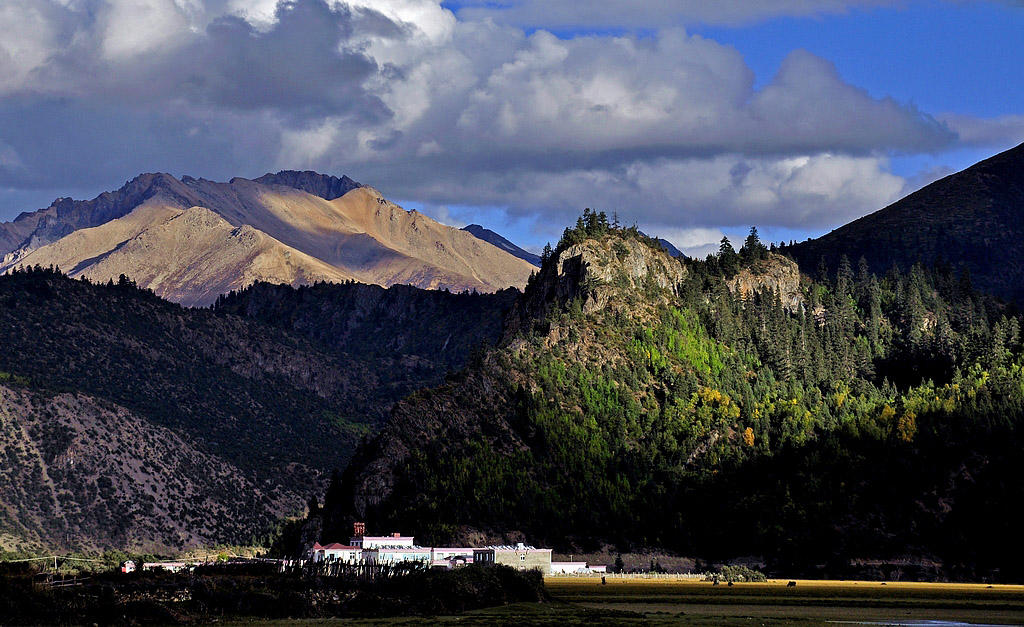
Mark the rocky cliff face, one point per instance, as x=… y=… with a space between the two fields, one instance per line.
x=596 y=271
x=775 y=273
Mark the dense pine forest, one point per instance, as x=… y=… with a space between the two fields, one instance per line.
x=877 y=420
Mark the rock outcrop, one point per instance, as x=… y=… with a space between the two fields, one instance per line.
x=595 y=272
x=776 y=273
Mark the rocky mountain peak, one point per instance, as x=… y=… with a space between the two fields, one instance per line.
x=323 y=185
x=613 y=273
x=33 y=230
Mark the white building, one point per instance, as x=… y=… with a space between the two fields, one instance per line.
x=372 y=542
x=520 y=556
x=450 y=557
x=396 y=554
x=336 y=552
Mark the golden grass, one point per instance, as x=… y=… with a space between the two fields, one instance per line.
x=557 y=582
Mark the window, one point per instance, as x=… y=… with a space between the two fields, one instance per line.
x=522 y=558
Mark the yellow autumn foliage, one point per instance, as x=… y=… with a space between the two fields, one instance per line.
x=907 y=426
x=748 y=436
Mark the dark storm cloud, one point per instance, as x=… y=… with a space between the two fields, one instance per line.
x=301 y=66
x=212 y=102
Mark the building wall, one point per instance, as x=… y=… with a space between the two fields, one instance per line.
x=529 y=559
x=568 y=567
x=444 y=553
x=384 y=556
x=342 y=555
x=373 y=542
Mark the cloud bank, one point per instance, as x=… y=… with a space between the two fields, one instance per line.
x=466 y=108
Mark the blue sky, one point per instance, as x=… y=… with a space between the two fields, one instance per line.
x=943 y=57
x=691 y=118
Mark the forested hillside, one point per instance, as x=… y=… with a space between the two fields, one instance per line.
x=430 y=331
x=638 y=400
x=111 y=397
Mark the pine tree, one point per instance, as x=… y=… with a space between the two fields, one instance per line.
x=728 y=259
x=545 y=254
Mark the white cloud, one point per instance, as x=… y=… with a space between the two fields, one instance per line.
x=652 y=13
x=693 y=96
x=667 y=129
x=1005 y=130
x=135 y=27
x=690 y=198
x=28 y=33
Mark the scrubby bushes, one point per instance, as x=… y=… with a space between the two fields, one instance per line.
x=257 y=591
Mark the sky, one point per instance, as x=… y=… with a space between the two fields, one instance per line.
x=689 y=118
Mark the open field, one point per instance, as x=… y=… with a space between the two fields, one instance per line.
x=663 y=601
x=668 y=602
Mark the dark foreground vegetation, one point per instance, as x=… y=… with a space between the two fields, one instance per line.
x=255 y=591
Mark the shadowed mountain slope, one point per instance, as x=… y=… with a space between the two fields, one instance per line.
x=322 y=185
x=132 y=422
x=973 y=219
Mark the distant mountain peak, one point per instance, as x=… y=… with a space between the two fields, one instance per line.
x=495 y=239
x=323 y=185
x=667 y=245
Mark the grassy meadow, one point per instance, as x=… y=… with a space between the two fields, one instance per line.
x=655 y=602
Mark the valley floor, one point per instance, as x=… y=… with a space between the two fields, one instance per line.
x=669 y=602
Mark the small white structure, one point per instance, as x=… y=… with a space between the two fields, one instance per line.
x=577 y=568
x=128 y=566
x=520 y=556
x=335 y=552
x=565 y=568
x=171 y=566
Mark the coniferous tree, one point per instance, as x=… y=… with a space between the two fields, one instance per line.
x=728 y=259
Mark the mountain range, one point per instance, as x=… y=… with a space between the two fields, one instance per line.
x=191 y=240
